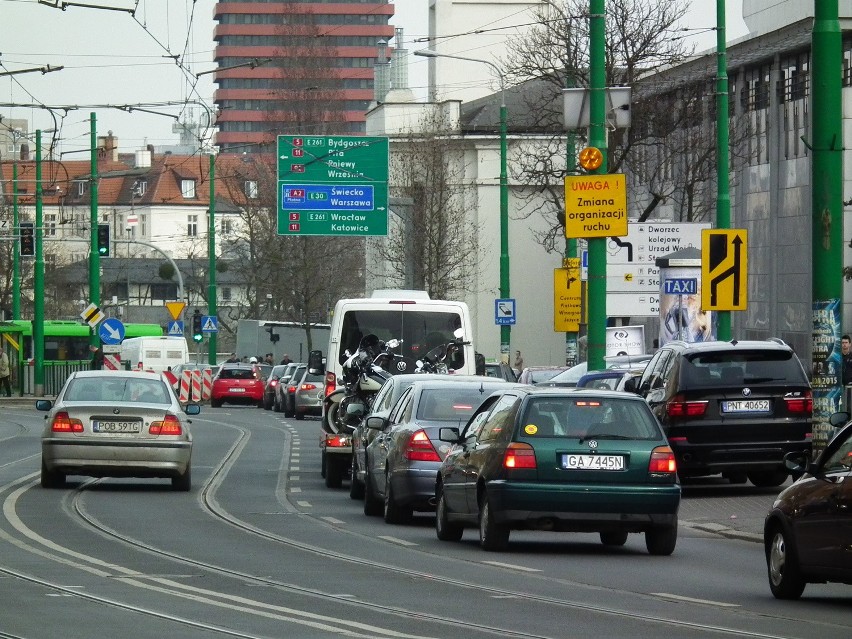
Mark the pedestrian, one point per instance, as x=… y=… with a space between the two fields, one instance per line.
x=519 y=361
x=98 y=357
x=286 y=359
x=846 y=359
x=233 y=359
x=5 y=373
x=268 y=359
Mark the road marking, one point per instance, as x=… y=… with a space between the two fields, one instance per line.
x=395 y=540
x=295 y=490
x=332 y=520
x=721 y=604
x=292 y=468
x=294 y=477
x=304 y=504
x=500 y=564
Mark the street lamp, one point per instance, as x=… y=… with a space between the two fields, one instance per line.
x=505 y=329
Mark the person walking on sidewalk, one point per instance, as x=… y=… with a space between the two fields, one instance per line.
x=5 y=373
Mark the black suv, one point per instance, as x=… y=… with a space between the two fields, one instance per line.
x=734 y=408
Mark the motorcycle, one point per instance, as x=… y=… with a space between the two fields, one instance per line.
x=435 y=361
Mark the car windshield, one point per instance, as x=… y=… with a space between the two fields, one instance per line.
x=117 y=389
x=725 y=368
x=585 y=418
x=449 y=404
x=236 y=373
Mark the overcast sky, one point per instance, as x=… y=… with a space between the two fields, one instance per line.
x=114 y=58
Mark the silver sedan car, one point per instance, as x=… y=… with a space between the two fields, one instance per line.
x=116 y=424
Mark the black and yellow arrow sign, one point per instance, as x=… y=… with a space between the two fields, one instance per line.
x=724 y=269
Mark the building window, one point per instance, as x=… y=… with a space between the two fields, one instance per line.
x=251 y=189
x=192 y=225
x=163 y=291
x=187 y=189
x=227 y=227
x=139 y=188
x=81 y=188
x=226 y=294
x=50 y=224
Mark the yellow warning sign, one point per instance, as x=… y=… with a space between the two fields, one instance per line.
x=567 y=297
x=724 y=269
x=595 y=205
x=175 y=309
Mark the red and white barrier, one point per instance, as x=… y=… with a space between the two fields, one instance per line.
x=112 y=362
x=195 y=385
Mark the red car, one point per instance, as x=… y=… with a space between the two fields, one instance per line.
x=237 y=384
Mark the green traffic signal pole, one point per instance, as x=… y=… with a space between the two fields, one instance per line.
x=723 y=196
x=211 y=256
x=597 y=138
x=16 y=258
x=827 y=214
x=38 y=281
x=94 y=255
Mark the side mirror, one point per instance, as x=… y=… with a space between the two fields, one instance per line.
x=449 y=434
x=375 y=422
x=43 y=404
x=798 y=463
x=630 y=385
x=192 y=409
x=316 y=363
x=839 y=419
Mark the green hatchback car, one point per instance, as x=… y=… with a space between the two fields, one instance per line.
x=559 y=459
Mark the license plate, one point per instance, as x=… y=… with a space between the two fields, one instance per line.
x=237 y=390
x=117 y=427
x=746 y=406
x=593 y=462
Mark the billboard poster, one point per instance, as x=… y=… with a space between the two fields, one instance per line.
x=826 y=368
x=681 y=315
x=625 y=340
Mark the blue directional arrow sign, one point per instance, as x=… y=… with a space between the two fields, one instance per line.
x=175 y=328
x=209 y=324
x=111 y=331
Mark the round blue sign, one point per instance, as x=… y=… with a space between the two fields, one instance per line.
x=111 y=331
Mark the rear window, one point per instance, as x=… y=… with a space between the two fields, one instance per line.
x=445 y=405
x=741 y=367
x=237 y=373
x=587 y=418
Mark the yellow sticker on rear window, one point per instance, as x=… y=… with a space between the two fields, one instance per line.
x=530 y=429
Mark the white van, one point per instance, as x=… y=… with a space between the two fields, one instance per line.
x=154 y=353
x=420 y=322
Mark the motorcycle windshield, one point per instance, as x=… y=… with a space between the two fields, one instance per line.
x=420 y=332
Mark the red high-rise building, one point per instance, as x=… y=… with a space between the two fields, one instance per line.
x=294 y=67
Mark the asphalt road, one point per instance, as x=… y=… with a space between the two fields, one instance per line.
x=260 y=548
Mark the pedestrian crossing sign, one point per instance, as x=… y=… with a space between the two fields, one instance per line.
x=175 y=328
x=209 y=324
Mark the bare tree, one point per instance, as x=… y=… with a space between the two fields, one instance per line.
x=440 y=241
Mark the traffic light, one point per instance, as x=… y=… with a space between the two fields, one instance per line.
x=27 y=238
x=197 y=335
x=103 y=240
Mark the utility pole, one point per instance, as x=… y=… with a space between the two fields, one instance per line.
x=723 y=196
x=597 y=139
x=827 y=216
x=211 y=257
x=16 y=258
x=38 y=280
x=94 y=255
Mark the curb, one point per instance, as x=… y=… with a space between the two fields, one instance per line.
x=724 y=531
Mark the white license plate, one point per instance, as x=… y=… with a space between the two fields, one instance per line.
x=237 y=390
x=117 y=427
x=746 y=406
x=593 y=462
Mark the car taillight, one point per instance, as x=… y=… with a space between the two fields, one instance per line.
x=273 y=383
x=291 y=389
x=800 y=403
x=169 y=426
x=679 y=407
x=662 y=460
x=308 y=387
x=337 y=441
x=519 y=455
x=62 y=423
x=330 y=383
x=420 y=448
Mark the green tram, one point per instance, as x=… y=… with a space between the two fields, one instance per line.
x=66 y=349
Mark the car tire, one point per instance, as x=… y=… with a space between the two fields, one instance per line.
x=373 y=506
x=661 y=541
x=356 y=488
x=287 y=411
x=736 y=478
x=276 y=405
x=444 y=528
x=267 y=405
x=493 y=536
x=299 y=416
x=183 y=483
x=767 y=478
x=613 y=538
x=51 y=478
x=782 y=566
x=333 y=473
x=215 y=403
x=394 y=513
x=323 y=464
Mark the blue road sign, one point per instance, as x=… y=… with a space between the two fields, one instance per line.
x=111 y=331
x=175 y=328
x=343 y=198
x=680 y=286
x=209 y=324
x=504 y=312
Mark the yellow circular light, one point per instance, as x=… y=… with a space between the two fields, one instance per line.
x=591 y=158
